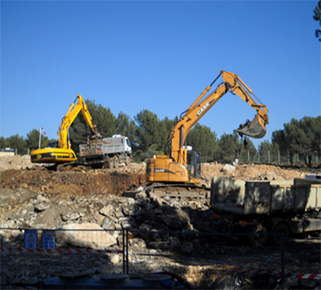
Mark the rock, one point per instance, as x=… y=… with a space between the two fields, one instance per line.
x=228 y=168
x=3 y=280
x=156 y=201
x=114 y=259
x=41 y=198
x=95 y=238
x=41 y=207
x=107 y=210
x=144 y=227
x=130 y=200
x=175 y=219
x=174 y=242
x=70 y=216
x=99 y=218
x=108 y=224
x=187 y=247
x=142 y=202
x=131 y=209
x=49 y=219
x=158 y=245
x=157 y=211
x=141 y=195
x=137 y=242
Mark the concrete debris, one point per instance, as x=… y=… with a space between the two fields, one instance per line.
x=105 y=200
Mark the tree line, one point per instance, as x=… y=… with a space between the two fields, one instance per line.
x=148 y=135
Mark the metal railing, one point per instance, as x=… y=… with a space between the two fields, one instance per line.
x=12 y=239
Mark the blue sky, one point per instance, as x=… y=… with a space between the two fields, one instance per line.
x=156 y=55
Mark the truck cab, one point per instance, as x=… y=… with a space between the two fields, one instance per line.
x=119 y=141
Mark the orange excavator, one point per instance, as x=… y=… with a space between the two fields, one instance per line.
x=181 y=165
x=63 y=153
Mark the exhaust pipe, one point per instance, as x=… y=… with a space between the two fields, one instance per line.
x=255 y=128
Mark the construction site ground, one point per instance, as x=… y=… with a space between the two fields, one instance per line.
x=202 y=266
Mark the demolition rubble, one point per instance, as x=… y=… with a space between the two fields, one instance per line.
x=162 y=232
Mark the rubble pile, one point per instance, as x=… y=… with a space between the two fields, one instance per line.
x=109 y=201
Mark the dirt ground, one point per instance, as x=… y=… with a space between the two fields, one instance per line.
x=17 y=172
x=116 y=181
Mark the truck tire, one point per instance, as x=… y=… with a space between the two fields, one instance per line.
x=279 y=229
x=258 y=237
x=116 y=161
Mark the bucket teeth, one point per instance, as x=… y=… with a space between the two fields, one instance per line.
x=254 y=128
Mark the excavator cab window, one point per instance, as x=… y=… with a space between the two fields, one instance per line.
x=194 y=163
x=53 y=144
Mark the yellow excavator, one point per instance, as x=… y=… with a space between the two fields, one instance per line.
x=62 y=152
x=183 y=166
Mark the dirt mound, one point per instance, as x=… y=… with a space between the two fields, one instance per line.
x=15 y=162
x=251 y=172
x=19 y=172
x=69 y=184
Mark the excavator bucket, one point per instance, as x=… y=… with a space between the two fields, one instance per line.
x=254 y=128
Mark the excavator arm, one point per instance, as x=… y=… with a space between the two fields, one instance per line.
x=232 y=83
x=68 y=119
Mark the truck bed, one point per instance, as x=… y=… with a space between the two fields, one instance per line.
x=265 y=197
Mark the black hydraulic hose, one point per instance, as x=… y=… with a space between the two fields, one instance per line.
x=182 y=114
x=215 y=80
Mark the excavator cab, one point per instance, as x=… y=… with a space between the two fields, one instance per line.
x=254 y=129
x=193 y=163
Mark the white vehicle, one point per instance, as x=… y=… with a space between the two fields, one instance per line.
x=108 y=152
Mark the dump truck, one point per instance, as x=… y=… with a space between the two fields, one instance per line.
x=260 y=207
x=107 y=153
x=98 y=152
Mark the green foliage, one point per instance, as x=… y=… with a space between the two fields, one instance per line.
x=279 y=139
x=149 y=153
x=264 y=147
x=317 y=17
x=300 y=137
x=127 y=127
x=19 y=143
x=3 y=142
x=32 y=140
x=167 y=126
x=202 y=139
x=149 y=131
x=267 y=148
x=229 y=148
